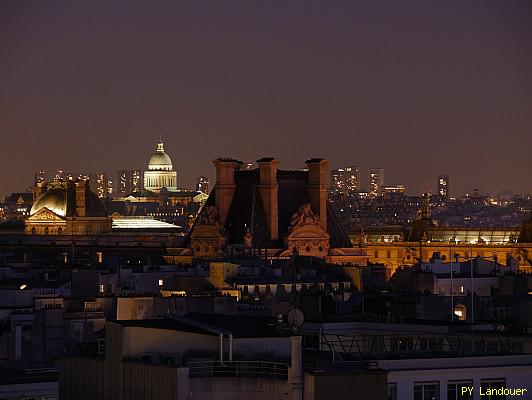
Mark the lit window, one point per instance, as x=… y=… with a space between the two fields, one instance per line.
x=461 y=289
x=102 y=288
x=161 y=282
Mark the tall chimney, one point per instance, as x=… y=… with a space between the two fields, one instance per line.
x=268 y=188
x=225 y=185
x=318 y=187
x=80 y=198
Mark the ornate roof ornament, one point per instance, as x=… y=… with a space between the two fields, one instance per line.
x=304 y=216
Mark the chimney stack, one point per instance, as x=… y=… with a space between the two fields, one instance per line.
x=318 y=187
x=80 y=197
x=225 y=185
x=268 y=188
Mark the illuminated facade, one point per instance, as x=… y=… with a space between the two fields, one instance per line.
x=376 y=180
x=397 y=246
x=67 y=208
x=160 y=172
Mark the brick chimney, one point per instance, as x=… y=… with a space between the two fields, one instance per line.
x=268 y=188
x=81 y=204
x=318 y=187
x=225 y=185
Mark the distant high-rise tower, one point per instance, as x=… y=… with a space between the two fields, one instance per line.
x=40 y=176
x=109 y=187
x=443 y=187
x=75 y=176
x=100 y=184
x=376 y=180
x=202 y=184
x=352 y=179
x=137 y=179
x=58 y=175
x=345 y=180
x=123 y=183
x=337 y=181
x=129 y=181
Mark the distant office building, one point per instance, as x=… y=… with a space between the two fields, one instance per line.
x=376 y=180
x=58 y=175
x=75 y=176
x=123 y=182
x=345 y=180
x=202 y=184
x=337 y=183
x=129 y=181
x=398 y=188
x=443 y=187
x=110 y=187
x=137 y=179
x=100 y=184
x=40 y=176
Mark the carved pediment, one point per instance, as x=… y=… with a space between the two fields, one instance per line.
x=46 y=215
x=206 y=232
x=306 y=235
x=308 y=232
x=303 y=217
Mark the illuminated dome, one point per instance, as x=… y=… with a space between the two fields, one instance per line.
x=54 y=200
x=66 y=208
x=160 y=172
x=160 y=161
x=62 y=201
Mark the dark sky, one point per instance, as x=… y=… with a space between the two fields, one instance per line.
x=417 y=87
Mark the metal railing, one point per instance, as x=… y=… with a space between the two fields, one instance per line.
x=263 y=369
x=364 y=347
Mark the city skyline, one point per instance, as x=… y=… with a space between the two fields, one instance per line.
x=249 y=80
x=362 y=186
x=302 y=200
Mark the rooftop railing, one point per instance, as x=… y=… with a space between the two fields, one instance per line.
x=263 y=369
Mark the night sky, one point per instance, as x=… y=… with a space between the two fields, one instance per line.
x=419 y=88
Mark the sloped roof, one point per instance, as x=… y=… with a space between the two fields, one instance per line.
x=247 y=210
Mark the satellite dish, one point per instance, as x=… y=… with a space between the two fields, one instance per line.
x=295 y=318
